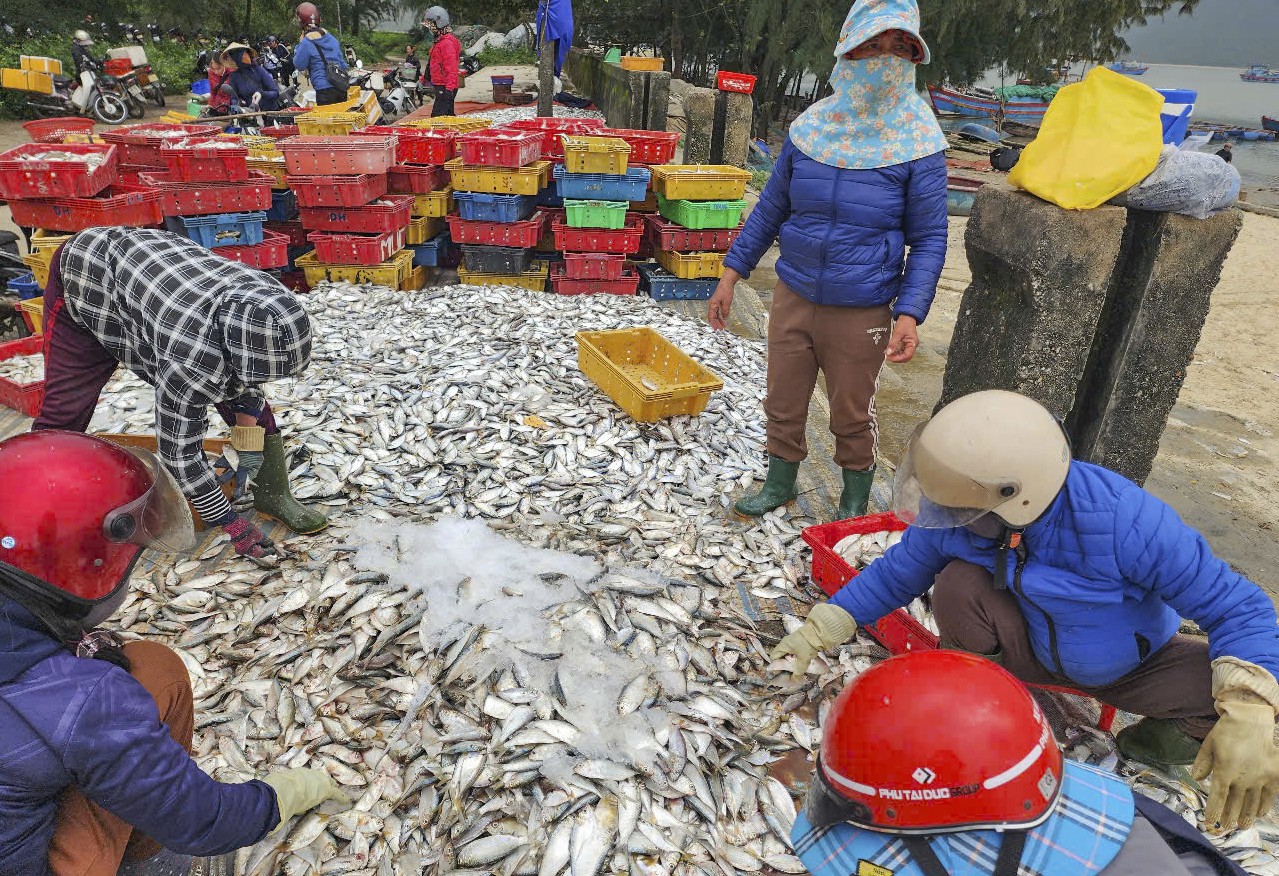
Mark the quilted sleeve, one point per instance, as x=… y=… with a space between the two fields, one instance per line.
x=765 y=221
x=1156 y=550
x=900 y=576
x=925 y=235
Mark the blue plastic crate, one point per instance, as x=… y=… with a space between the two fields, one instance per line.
x=25 y=287
x=221 y=229
x=433 y=253
x=662 y=286
x=631 y=186
x=284 y=206
x=481 y=207
x=549 y=197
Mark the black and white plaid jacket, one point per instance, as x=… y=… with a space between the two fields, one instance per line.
x=199 y=328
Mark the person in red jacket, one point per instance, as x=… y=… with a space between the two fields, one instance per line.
x=445 y=60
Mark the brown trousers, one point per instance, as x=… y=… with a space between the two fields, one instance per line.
x=1174 y=682
x=847 y=345
x=88 y=840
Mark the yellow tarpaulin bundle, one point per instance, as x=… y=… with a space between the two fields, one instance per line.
x=1100 y=137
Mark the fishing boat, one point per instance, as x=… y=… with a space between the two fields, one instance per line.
x=1260 y=73
x=1269 y=124
x=1129 y=68
x=983 y=104
x=1235 y=132
x=961 y=191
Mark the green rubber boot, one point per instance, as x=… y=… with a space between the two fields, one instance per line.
x=1158 y=742
x=856 y=495
x=272 y=496
x=778 y=489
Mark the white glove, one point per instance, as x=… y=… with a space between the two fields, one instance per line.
x=257 y=98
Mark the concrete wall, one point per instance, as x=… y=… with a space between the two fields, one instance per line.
x=628 y=98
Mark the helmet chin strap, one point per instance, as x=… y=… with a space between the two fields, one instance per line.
x=1011 y=845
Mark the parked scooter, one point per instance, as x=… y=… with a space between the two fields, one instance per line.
x=392 y=96
x=87 y=98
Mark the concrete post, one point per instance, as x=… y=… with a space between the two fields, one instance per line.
x=657 y=100
x=734 y=117
x=699 y=114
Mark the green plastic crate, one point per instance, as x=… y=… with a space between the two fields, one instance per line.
x=699 y=215
x=596 y=214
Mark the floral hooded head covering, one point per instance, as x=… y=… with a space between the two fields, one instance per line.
x=875 y=118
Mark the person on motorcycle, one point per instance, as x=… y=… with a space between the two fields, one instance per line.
x=81 y=58
x=254 y=87
x=98 y=767
x=444 y=62
x=315 y=50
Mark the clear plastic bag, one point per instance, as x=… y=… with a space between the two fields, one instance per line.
x=1194 y=184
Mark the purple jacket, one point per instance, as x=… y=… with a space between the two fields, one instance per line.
x=66 y=720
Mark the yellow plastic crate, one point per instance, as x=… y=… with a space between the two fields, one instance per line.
x=422 y=229
x=641 y=64
x=273 y=166
x=50 y=240
x=319 y=124
x=596 y=154
x=434 y=205
x=418 y=280
x=40 y=261
x=41 y=64
x=692 y=265
x=527 y=180
x=533 y=279
x=262 y=147
x=396 y=272
x=699 y=182
x=461 y=124
x=648 y=376
x=33 y=311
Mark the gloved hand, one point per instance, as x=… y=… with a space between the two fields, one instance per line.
x=248 y=540
x=301 y=790
x=827 y=625
x=248 y=442
x=256 y=99
x=1240 y=752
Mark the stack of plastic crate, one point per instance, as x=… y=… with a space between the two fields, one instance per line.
x=420 y=156
x=699 y=216
x=552 y=129
x=359 y=232
x=496 y=181
x=139 y=145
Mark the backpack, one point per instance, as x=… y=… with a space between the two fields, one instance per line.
x=1004 y=158
x=334 y=72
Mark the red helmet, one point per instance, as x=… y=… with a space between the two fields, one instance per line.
x=75 y=511
x=935 y=742
x=308 y=14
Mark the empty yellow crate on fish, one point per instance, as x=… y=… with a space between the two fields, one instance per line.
x=422 y=229
x=330 y=124
x=40 y=261
x=40 y=64
x=527 y=180
x=692 y=265
x=433 y=204
x=273 y=165
x=596 y=154
x=534 y=278
x=396 y=272
x=461 y=124
x=641 y=63
x=33 y=310
x=647 y=375
x=699 y=182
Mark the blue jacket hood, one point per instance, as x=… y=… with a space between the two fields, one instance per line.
x=24 y=640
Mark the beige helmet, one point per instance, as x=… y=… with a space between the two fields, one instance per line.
x=991 y=452
x=82 y=37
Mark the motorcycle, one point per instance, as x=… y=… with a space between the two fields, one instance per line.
x=129 y=88
x=87 y=98
x=392 y=97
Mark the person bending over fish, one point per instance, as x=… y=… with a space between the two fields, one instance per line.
x=1066 y=573
x=96 y=767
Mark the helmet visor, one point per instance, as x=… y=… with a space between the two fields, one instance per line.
x=160 y=518
x=930 y=497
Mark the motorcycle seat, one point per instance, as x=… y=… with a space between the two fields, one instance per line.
x=59 y=79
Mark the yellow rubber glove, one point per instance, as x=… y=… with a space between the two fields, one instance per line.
x=827 y=626
x=1239 y=751
x=300 y=790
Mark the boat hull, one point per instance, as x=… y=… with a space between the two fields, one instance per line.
x=948 y=100
x=960 y=194
x=1270 y=124
x=1272 y=78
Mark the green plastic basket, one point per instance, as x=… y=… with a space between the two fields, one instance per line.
x=596 y=214
x=699 y=215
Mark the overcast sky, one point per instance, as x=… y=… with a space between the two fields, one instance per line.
x=1224 y=33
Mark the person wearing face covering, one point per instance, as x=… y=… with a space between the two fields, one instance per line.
x=859 y=182
x=96 y=775
x=253 y=85
x=203 y=331
x=1066 y=573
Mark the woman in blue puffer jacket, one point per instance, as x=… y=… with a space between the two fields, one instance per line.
x=861 y=178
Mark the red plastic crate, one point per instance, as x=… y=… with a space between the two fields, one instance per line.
x=356 y=249
x=183 y=198
x=292 y=231
x=22 y=397
x=337 y=191
x=666 y=235
x=552 y=128
x=271 y=253
x=279 y=132
x=562 y=284
x=594 y=266
x=27 y=178
x=647 y=147
x=525 y=233
x=332 y=156
x=384 y=214
x=500 y=147
x=54 y=129
x=417 y=145
x=200 y=159
x=117 y=66
x=118 y=205
x=624 y=240
x=742 y=83
x=415 y=179
x=140 y=144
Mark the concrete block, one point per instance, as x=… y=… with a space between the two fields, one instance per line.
x=1149 y=328
x=735 y=114
x=699 y=113
x=1040 y=279
x=656 y=100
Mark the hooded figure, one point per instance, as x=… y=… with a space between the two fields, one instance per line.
x=253 y=85
x=859 y=182
x=203 y=330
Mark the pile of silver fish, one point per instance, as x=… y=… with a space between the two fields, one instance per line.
x=23 y=369
x=860 y=550
x=502 y=116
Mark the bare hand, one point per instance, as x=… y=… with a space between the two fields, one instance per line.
x=718 y=308
x=905 y=340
